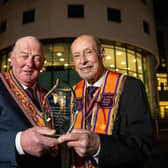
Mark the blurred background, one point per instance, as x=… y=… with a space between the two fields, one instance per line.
x=129 y=30
x=134 y=34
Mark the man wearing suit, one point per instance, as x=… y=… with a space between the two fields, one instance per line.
x=113 y=128
x=22 y=143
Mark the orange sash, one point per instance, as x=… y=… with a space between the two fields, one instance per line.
x=22 y=99
x=102 y=108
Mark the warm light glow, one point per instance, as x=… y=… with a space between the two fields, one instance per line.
x=4 y=66
x=108 y=57
x=59 y=54
x=66 y=65
x=123 y=63
x=134 y=60
x=112 y=66
x=61 y=59
x=9 y=60
x=119 y=53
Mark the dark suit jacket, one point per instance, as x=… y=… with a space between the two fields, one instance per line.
x=133 y=135
x=13 y=120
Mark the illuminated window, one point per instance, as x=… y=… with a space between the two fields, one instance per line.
x=121 y=63
x=109 y=59
x=162 y=82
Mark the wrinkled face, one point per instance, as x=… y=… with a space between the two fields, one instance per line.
x=27 y=60
x=87 y=59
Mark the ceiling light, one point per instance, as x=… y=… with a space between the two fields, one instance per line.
x=108 y=57
x=59 y=54
x=119 y=53
x=123 y=63
x=61 y=59
x=66 y=65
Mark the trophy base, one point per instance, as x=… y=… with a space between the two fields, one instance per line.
x=52 y=136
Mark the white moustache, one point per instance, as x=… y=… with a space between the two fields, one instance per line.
x=85 y=66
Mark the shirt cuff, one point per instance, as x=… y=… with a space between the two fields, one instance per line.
x=18 y=144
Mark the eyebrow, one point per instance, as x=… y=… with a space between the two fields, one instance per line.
x=24 y=52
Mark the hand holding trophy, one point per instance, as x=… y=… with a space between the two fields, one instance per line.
x=61 y=102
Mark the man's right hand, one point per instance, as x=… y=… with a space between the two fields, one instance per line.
x=34 y=142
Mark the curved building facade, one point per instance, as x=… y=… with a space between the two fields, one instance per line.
x=125 y=28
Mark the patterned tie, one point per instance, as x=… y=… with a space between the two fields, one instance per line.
x=33 y=97
x=91 y=91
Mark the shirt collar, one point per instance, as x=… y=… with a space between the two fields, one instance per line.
x=25 y=87
x=97 y=83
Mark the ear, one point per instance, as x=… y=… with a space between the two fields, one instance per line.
x=11 y=57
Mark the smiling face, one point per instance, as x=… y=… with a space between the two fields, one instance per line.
x=27 y=60
x=88 y=58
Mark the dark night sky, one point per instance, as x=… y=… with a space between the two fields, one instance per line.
x=161 y=10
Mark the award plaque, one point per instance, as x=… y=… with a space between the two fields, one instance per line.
x=58 y=105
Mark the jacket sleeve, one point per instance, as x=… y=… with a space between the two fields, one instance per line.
x=133 y=134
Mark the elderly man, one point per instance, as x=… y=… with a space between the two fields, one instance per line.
x=113 y=127
x=22 y=143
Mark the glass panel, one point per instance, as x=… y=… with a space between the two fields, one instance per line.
x=133 y=74
x=74 y=78
x=45 y=80
x=58 y=53
x=162 y=81
x=48 y=56
x=8 y=62
x=4 y=66
x=139 y=63
x=131 y=61
x=163 y=109
x=145 y=76
x=121 y=58
x=109 y=59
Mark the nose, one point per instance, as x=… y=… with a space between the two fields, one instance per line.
x=30 y=61
x=83 y=59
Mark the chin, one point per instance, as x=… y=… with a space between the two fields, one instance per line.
x=87 y=76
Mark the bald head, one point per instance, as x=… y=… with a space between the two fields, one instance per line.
x=96 y=42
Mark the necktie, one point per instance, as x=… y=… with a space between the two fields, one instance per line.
x=91 y=91
x=33 y=97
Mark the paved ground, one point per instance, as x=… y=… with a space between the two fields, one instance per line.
x=159 y=158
